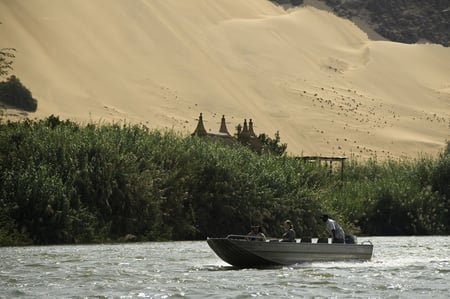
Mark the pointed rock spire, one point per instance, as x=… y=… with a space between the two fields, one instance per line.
x=200 y=130
x=245 y=134
x=250 y=128
x=223 y=126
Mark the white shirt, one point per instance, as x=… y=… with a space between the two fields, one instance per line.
x=332 y=225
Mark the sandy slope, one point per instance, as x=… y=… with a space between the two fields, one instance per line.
x=314 y=77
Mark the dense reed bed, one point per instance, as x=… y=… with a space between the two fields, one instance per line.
x=63 y=182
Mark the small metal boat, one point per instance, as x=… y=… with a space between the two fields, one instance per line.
x=242 y=252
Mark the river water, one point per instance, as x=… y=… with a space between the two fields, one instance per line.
x=401 y=267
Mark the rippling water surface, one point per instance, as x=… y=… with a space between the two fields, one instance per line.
x=401 y=267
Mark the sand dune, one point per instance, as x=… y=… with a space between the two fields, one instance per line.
x=314 y=77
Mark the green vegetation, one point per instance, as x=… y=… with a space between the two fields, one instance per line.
x=62 y=182
x=13 y=93
x=410 y=197
x=272 y=146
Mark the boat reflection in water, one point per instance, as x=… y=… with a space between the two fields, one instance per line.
x=241 y=252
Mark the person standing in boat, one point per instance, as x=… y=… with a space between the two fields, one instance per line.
x=289 y=233
x=334 y=229
x=256 y=234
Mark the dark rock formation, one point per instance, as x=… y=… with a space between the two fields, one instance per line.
x=406 y=21
x=293 y=2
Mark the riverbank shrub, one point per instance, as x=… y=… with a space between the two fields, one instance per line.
x=403 y=197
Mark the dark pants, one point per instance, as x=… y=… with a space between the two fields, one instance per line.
x=338 y=241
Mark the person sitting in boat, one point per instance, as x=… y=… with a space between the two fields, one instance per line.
x=289 y=233
x=335 y=229
x=256 y=234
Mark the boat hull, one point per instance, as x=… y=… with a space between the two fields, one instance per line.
x=242 y=253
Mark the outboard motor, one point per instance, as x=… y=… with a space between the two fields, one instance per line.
x=350 y=239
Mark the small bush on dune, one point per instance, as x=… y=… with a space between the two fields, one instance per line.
x=13 y=93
